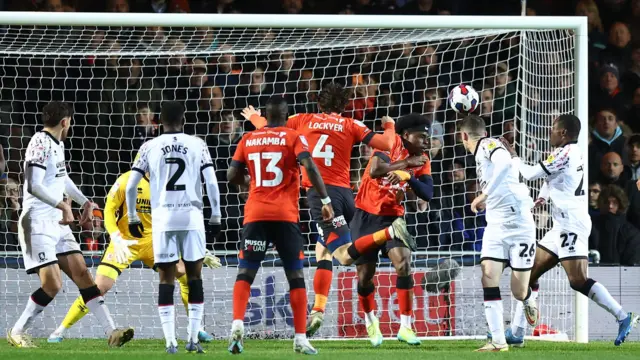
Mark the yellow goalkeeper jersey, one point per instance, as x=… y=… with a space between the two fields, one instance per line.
x=115 y=210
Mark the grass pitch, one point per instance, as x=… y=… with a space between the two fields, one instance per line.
x=72 y=349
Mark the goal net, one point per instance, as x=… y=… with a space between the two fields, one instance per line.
x=117 y=78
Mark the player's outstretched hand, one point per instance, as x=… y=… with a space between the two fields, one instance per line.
x=211 y=260
x=327 y=213
x=508 y=146
x=87 y=212
x=67 y=213
x=415 y=161
x=135 y=228
x=477 y=203
x=387 y=119
x=121 y=247
x=248 y=112
x=539 y=202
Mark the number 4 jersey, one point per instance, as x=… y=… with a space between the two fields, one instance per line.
x=174 y=162
x=272 y=155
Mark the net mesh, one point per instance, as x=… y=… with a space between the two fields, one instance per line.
x=117 y=79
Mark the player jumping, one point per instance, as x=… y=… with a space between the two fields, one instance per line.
x=510 y=235
x=271 y=214
x=378 y=205
x=123 y=251
x=568 y=241
x=176 y=162
x=332 y=138
x=46 y=241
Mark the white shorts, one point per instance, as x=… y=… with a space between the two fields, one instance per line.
x=42 y=241
x=565 y=244
x=512 y=242
x=171 y=246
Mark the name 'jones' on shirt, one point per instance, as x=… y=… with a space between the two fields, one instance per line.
x=174 y=148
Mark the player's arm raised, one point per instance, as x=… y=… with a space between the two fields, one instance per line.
x=543 y=168
x=255 y=117
x=384 y=141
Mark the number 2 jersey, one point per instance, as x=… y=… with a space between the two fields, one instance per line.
x=174 y=162
x=378 y=196
x=271 y=155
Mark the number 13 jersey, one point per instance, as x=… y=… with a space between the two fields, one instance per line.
x=174 y=162
x=271 y=155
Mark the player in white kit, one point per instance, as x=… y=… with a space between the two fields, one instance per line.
x=568 y=240
x=46 y=241
x=176 y=162
x=510 y=236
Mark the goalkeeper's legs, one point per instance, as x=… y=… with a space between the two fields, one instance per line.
x=491 y=272
x=401 y=259
x=74 y=266
x=105 y=279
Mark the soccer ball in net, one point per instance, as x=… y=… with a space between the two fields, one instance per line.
x=463 y=99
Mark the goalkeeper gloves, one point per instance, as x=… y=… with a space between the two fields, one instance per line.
x=211 y=260
x=214 y=225
x=403 y=175
x=135 y=227
x=121 y=247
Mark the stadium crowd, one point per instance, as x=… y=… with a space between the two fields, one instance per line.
x=117 y=101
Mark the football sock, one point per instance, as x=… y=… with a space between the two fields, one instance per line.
x=76 y=312
x=404 y=290
x=601 y=296
x=37 y=302
x=370 y=242
x=298 y=297
x=184 y=291
x=95 y=302
x=367 y=299
x=196 y=308
x=519 y=321
x=322 y=284
x=493 y=312
x=241 y=293
x=166 y=310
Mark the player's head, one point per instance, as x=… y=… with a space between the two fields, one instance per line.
x=414 y=130
x=276 y=111
x=56 y=116
x=172 y=116
x=472 y=129
x=566 y=128
x=333 y=98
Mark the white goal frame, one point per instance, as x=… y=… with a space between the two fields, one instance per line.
x=576 y=24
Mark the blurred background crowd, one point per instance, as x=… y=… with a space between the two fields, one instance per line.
x=117 y=100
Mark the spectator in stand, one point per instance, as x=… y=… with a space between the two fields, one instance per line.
x=118 y=6
x=504 y=89
x=256 y=92
x=281 y=73
x=631 y=78
x=363 y=101
x=226 y=77
x=215 y=7
x=509 y=131
x=292 y=6
x=153 y=39
x=613 y=236
x=597 y=38
x=606 y=137
x=491 y=118
x=305 y=99
x=633 y=115
x=594 y=193
x=471 y=224
x=214 y=105
x=9 y=213
x=609 y=94
x=419 y=7
x=359 y=164
x=146 y=126
x=618 y=50
x=193 y=97
x=93 y=234
x=634 y=19
x=164 y=6
x=634 y=156
x=613 y=171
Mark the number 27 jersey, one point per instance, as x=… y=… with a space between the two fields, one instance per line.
x=174 y=162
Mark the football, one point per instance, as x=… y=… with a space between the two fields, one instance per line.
x=463 y=99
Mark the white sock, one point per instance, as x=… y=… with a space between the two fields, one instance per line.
x=168 y=320
x=369 y=318
x=26 y=319
x=600 y=295
x=493 y=312
x=300 y=337
x=405 y=321
x=100 y=310
x=61 y=330
x=519 y=321
x=237 y=324
x=195 y=321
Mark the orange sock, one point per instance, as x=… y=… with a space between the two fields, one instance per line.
x=367 y=298
x=370 y=242
x=298 y=297
x=404 y=291
x=322 y=284
x=241 y=294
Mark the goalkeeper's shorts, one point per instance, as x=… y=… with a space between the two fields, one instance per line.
x=110 y=268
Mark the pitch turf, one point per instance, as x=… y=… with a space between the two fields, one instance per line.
x=333 y=350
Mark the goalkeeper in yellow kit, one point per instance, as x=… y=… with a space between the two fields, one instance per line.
x=124 y=250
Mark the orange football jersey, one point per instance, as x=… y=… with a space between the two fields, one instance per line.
x=378 y=196
x=271 y=156
x=331 y=139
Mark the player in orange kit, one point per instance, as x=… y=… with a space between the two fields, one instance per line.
x=331 y=139
x=379 y=204
x=272 y=214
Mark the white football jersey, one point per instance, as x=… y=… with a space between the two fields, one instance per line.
x=174 y=162
x=565 y=182
x=510 y=194
x=46 y=152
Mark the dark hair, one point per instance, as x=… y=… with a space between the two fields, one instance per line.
x=473 y=125
x=54 y=112
x=634 y=140
x=276 y=110
x=616 y=192
x=333 y=98
x=571 y=123
x=412 y=121
x=172 y=114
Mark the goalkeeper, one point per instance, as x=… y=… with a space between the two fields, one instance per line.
x=122 y=252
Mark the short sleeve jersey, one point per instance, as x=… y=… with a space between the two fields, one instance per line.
x=331 y=139
x=47 y=153
x=174 y=162
x=378 y=196
x=271 y=156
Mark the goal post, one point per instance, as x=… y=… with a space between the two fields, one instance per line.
x=89 y=58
